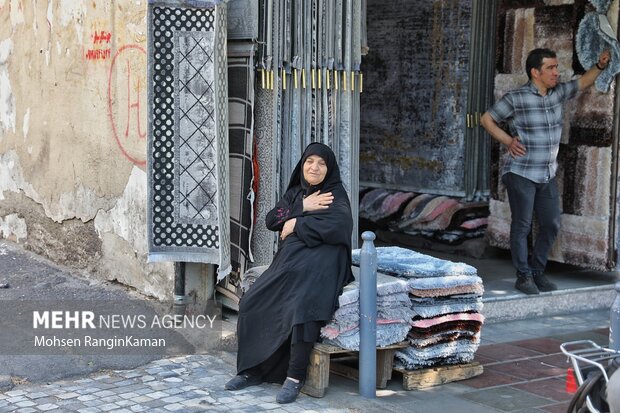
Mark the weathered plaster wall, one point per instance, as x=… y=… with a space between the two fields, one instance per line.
x=73 y=136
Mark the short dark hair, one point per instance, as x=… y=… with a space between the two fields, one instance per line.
x=535 y=60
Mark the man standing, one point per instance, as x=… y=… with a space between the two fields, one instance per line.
x=534 y=115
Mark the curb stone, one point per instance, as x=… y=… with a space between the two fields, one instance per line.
x=6 y=383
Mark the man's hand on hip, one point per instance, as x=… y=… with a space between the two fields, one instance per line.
x=516 y=148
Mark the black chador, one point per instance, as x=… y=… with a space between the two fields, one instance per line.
x=299 y=291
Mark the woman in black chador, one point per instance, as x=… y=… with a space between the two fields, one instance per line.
x=281 y=315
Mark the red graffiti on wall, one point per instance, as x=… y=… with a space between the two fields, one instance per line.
x=98 y=54
x=100 y=38
x=125 y=108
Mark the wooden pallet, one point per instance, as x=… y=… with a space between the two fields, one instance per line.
x=435 y=376
x=317 y=378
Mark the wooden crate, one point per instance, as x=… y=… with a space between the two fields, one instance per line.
x=317 y=378
x=435 y=376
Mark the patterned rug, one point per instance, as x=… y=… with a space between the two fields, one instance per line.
x=188 y=209
x=240 y=130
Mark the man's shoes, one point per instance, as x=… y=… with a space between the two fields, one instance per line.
x=526 y=284
x=289 y=391
x=543 y=282
x=241 y=381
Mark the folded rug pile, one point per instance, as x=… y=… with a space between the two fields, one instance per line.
x=393 y=315
x=446 y=300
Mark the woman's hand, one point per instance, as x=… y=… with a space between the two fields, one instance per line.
x=318 y=201
x=288 y=228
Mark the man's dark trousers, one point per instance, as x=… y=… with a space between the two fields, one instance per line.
x=525 y=198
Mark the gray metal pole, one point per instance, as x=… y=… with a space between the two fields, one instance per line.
x=368 y=317
x=179 y=288
x=614 y=322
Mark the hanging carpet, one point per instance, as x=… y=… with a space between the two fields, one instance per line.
x=188 y=210
x=240 y=129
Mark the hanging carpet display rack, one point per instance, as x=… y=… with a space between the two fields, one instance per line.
x=308 y=90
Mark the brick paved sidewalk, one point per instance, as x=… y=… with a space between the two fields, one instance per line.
x=527 y=375
x=524 y=373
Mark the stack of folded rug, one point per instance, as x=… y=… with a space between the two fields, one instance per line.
x=393 y=315
x=446 y=300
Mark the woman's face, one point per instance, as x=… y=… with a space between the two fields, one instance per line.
x=314 y=169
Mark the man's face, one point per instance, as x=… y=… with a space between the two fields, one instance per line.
x=548 y=75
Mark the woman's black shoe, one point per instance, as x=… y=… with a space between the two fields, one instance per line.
x=289 y=391
x=242 y=381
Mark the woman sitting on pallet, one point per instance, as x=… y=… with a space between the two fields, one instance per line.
x=281 y=315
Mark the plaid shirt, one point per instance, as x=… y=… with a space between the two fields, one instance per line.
x=537 y=121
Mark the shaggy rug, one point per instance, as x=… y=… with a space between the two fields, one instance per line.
x=403 y=262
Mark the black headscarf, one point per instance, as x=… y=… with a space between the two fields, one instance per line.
x=332 y=177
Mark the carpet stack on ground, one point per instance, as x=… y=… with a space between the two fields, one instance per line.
x=445 y=219
x=446 y=300
x=393 y=315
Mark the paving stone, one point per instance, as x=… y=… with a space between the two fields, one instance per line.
x=108 y=407
x=174 y=407
x=142 y=399
x=172 y=399
x=129 y=395
x=69 y=395
x=103 y=393
x=36 y=395
x=174 y=390
x=157 y=386
x=111 y=399
x=90 y=410
x=69 y=389
x=158 y=395
x=133 y=387
x=129 y=373
x=125 y=383
x=84 y=381
x=25 y=403
x=93 y=403
x=143 y=391
x=155 y=403
x=86 y=397
x=268 y=406
x=14 y=393
x=193 y=402
x=173 y=380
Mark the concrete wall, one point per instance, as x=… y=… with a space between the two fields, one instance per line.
x=73 y=136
